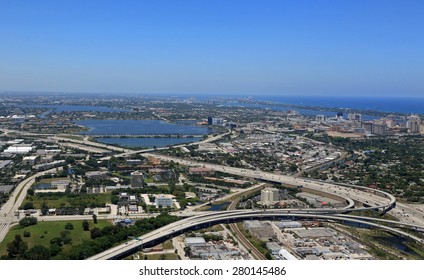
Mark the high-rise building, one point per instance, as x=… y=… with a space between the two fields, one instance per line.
x=413 y=124
x=379 y=129
x=137 y=179
x=270 y=196
x=321 y=118
x=354 y=117
x=210 y=120
x=367 y=126
x=217 y=121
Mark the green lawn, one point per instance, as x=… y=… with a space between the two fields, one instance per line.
x=158 y=256
x=148 y=180
x=43 y=232
x=167 y=245
x=70 y=200
x=49 y=180
x=73 y=137
x=116 y=174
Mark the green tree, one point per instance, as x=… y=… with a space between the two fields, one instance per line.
x=54 y=249
x=28 y=205
x=28 y=221
x=66 y=236
x=56 y=240
x=17 y=248
x=44 y=208
x=38 y=252
x=69 y=226
x=85 y=225
x=268 y=256
x=95 y=232
x=187 y=251
x=95 y=218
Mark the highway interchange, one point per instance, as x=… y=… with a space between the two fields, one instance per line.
x=370 y=198
x=357 y=198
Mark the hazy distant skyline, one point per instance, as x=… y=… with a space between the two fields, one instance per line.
x=362 y=47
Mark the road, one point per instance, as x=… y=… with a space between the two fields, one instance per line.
x=373 y=198
x=228 y=217
x=369 y=198
x=7 y=211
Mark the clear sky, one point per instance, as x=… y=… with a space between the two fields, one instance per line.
x=358 y=47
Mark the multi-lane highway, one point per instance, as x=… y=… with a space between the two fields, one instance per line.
x=374 y=199
x=208 y=219
x=7 y=211
x=370 y=197
x=358 y=199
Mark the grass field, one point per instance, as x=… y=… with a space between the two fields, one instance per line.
x=49 y=180
x=73 y=137
x=60 y=200
x=167 y=245
x=152 y=257
x=43 y=232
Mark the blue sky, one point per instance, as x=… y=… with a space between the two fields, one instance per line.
x=320 y=47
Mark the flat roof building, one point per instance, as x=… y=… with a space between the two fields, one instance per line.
x=18 y=150
x=30 y=160
x=285 y=255
x=163 y=201
x=195 y=241
x=6 y=189
x=137 y=179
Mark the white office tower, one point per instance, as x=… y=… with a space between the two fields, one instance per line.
x=137 y=179
x=413 y=124
x=270 y=196
x=354 y=117
x=321 y=118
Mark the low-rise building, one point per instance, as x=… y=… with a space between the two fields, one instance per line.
x=137 y=179
x=29 y=160
x=194 y=241
x=49 y=165
x=164 y=201
x=96 y=174
x=18 y=150
x=273 y=248
x=60 y=185
x=6 y=189
x=286 y=255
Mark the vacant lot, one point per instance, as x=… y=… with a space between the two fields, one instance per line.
x=43 y=232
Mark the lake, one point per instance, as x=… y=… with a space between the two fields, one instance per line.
x=140 y=127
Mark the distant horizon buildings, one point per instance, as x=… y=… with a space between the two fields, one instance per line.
x=354 y=117
x=321 y=118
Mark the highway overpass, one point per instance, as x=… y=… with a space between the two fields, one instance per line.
x=208 y=219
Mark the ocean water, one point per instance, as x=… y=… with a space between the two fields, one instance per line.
x=76 y=108
x=407 y=105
